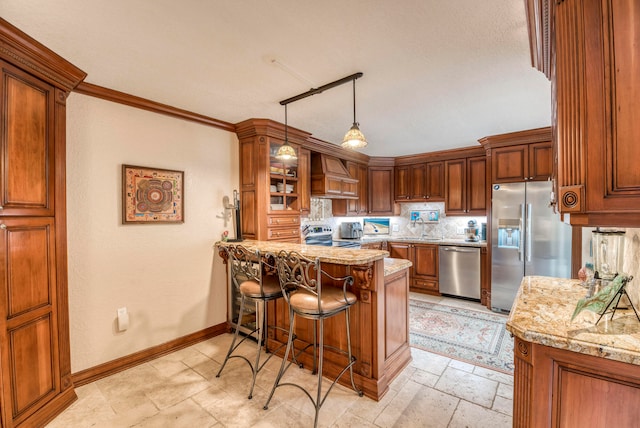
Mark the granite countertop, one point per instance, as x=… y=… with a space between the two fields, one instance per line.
x=392 y=266
x=542 y=314
x=336 y=255
x=418 y=240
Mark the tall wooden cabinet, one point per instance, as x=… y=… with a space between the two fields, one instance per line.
x=35 y=368
x=589 y=50
x=273 y=193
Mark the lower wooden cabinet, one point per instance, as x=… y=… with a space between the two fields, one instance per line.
x=424 y=270
x=560 y=388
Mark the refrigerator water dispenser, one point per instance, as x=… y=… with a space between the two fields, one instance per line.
x=508 y=233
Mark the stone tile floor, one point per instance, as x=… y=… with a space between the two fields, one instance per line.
x=181 y=390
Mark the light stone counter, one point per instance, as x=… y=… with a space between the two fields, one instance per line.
x=336 y=255
x=542 y=313
x=392 y=266
x=418 y=240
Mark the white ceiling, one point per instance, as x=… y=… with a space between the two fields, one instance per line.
x=437 y=74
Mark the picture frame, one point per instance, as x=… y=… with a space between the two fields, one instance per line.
x=433 y=216
x=152 y=195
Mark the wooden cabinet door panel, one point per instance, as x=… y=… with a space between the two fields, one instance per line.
x=435 y=181
x=455 y=186
x=27 y=144
x=401 y=184
x=304 y=181
x=476 y=186
x=418 y=182
x=540 y=161
x=28 y=285
x=510 y=163
x=381 y=190
x=425 y=261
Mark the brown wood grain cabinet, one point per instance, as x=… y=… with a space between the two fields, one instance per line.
x=35 y=366
x=522 y=162
x=380 y=185
x=424 y=270
x=273 y=193
x=589 y=50
x=419 y=182
x=465 y=186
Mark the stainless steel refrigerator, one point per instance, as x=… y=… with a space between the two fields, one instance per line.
x=527 y=238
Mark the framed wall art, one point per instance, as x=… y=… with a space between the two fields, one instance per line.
x=152 y=195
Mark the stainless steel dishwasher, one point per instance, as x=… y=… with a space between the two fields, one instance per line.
x=459 y=273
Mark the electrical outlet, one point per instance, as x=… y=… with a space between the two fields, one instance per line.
x=460 y=230
x=395 y=228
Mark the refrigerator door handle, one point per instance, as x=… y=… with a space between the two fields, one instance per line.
x=520 y=235
x=528 y=237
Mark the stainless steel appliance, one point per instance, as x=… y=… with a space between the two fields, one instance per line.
x=459 y=271
x=323 y=235
x=351 y=230
x=527 y=238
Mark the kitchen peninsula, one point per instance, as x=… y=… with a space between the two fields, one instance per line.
x=379 y=320
x=570 y=374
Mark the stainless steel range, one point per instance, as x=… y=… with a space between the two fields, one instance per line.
x=323 y=235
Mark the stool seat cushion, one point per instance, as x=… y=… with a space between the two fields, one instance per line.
x=305 y=302
x=270 y=287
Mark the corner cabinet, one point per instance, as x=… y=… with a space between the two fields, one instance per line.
x=589 y=49
x=273 y=193
x=35 y=366
x=380 y=187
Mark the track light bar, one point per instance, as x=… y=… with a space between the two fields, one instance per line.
x=321 y=89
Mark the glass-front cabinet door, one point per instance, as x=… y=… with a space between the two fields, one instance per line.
x=283 y=182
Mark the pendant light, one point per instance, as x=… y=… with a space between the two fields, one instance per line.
x=286 y=152
x=354 y=139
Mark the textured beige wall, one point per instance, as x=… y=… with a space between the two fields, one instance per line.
x=166 y=275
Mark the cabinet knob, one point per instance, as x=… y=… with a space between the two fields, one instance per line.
x=530 y=178
x=3 y=226
x=1 y=207
x=428 y=196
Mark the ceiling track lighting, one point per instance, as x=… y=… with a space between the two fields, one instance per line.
x=354 y=138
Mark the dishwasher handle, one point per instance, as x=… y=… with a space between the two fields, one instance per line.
x=459 y=249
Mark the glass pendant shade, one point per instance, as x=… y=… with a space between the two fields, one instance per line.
x=286 y=152
x=354 y=139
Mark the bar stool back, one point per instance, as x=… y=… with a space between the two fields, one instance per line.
x=247 y=270
x=301 y=284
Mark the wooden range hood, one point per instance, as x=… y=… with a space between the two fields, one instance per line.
x=330 y=178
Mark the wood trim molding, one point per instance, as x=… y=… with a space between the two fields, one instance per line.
x=103 y=370
x=441 y=155
x=27 y=53
x=537 y=135
x=112 y=95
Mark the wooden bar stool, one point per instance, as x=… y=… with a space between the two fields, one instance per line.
x=247 y=270
x=301 y=283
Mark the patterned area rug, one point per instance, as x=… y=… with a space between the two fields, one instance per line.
x=472 y=336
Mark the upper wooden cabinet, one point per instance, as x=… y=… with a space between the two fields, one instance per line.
x=273 y=193
x=523 y=162
x=465 y=186
x=422 y=182
x=35 y=362
x=27 y=144
x=520 y=156
x=381 y=190
x=595 y=104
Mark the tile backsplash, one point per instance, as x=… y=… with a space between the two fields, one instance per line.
x=447 y=227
